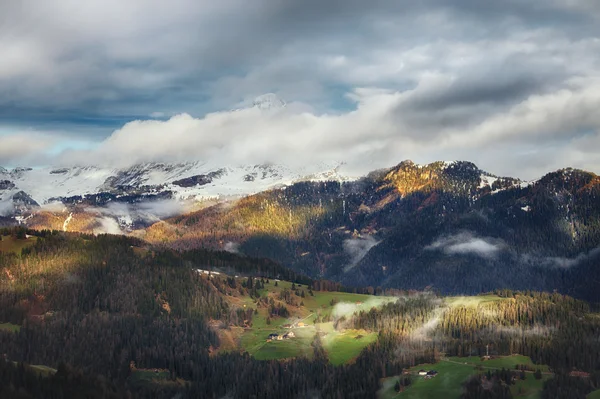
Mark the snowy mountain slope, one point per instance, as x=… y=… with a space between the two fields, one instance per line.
x=208 y=180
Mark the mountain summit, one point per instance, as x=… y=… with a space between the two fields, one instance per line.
x=268 y=101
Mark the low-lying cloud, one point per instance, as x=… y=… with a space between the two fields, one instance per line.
x=107 y=225
x=233 y=247
x=146 y=212
x=559 y=261
x=6 y=207
x=467 y=243
x=357 y=248
x=347 y=309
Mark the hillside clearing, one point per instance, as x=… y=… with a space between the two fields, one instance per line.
x=454 y=372
x=10 y=327
x=594 y=395
x=15 y=245
x=341 y=346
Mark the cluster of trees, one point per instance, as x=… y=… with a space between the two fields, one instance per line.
x=19 y=381
x=541 y=325
x=491 y=385
x=400 y=317
x=402 y=383
x=564 y=386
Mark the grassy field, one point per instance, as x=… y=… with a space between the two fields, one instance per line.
x=342 y=346
x=594 y=395
x=11 y=244
x=147 y=375
x=530 y=388
x=298 y=346
x=448 y=383
x=10 y=327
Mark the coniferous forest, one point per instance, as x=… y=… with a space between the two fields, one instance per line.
x=86 y=316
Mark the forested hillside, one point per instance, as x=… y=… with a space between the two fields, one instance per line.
x=110 y=316
x=416 y=226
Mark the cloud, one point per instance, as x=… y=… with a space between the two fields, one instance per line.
x=6 y=207
x=233 y=247
x=107 y=225
x=146 y=212
x=357 y=248
x=23 y=147
x=347 y=309
x=559 y=261
x=467 y=243
x=55 y=207
x=370 y=84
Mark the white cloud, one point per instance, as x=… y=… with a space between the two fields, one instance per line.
x=108 y=225
x=232 y=247
x=145 y=212
x=6 y=207
x=380 y=132
x=25 y=147
x=559 y=261
x=467 y=243
x=358 y=248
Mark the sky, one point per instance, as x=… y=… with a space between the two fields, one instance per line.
x=511 y=85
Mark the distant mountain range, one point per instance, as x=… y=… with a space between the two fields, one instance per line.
x=141 y=193
x=446 y=225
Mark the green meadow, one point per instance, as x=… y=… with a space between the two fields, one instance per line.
x=341 y=346
x=12 y=244
x=454 y=372
x=10 y=327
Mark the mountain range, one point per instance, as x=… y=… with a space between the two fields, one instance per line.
x=447 y=225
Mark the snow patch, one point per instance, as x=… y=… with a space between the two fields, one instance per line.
x=487 y=181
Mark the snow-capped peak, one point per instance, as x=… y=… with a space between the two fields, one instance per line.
x=268 y=101
x=177 y=180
